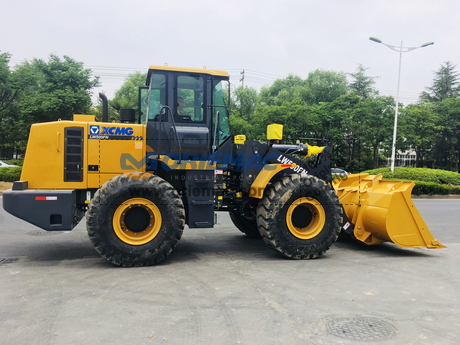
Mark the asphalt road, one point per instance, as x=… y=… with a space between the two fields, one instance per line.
x=220 y=287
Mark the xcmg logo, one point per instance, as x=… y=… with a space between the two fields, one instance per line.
x=101 y=130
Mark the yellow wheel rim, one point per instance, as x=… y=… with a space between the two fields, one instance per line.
x=137 y=221
x=305 y=218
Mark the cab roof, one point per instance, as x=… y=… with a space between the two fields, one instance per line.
x=204 y=70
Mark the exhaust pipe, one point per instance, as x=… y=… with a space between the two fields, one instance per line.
x=105 y=108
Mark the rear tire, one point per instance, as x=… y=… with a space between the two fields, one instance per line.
x=135 y=219
x=299 y=217
x=245 y=225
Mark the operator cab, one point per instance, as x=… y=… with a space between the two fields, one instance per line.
x=179 y=107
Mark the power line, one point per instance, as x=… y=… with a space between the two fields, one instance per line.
x=115 y=74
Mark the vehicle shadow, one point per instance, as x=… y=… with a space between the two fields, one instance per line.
x=345 y=242
x=191 y=248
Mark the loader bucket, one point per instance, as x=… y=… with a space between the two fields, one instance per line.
x=383 y=211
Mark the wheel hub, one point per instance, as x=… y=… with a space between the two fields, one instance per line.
x=137 y=221
x=301 y=216
x=137 y=218
x=305 y=218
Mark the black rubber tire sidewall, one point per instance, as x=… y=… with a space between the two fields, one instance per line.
x=118 y=190
x=273 y=208
x=246 y=226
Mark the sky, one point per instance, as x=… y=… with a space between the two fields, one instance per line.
x=267 y=39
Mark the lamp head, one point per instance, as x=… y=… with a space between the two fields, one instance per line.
x=375 y=39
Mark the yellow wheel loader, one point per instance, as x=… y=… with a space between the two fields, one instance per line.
x=141 y=183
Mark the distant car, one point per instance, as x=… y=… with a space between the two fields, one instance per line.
x=337 y=171
x=6 y=165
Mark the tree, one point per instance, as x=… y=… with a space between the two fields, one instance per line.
x=447 y=145
x=362 y=84
x=320 y=86
x=346 y=130
x=8 y=89
x=324 y=86
x=242 y=111
x=49 y=91
x=54 y=89
x=289 y=89
x=245 y=102
x=299 y=120
x=445 y=84
x=377 y=116
x=417 y=124
x=8 y=93
x=127 y=95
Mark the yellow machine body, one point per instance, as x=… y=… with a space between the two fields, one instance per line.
x=122 y=149
x=383 y=211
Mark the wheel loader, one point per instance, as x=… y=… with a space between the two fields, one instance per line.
x=176 y=163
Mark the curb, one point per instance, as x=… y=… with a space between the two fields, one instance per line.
x=428 y=196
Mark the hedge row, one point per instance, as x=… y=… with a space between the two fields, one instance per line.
x=19 y=162
x=427 y=181
x=10 y=174
x=434 y=188
x=419 y=174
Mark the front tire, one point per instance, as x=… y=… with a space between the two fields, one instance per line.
x=135 y=219
x=299 y=217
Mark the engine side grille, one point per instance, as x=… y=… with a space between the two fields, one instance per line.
x=73 y=154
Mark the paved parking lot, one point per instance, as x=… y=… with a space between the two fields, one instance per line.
x=220 y=287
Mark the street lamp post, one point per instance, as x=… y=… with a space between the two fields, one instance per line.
x=400 y=50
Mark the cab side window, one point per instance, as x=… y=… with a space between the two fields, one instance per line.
x=189 y=99
x=156 y=98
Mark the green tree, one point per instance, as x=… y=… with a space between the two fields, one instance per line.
x=8 y=87
x=355 y=128
x=8 y=94
x=243 y=119
x=289 y=89
x=447 y=145
x=362 y=84
x=320 y=86
x=445 y=84
x=346 y=131
x=299 y=121
x=127 y=95
x=324 y=86
x=49 y=91
x=245 y=103
x=54 y=89
x=377 y=115
x=417 y=123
